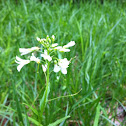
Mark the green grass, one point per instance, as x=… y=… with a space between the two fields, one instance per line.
x=99 y=67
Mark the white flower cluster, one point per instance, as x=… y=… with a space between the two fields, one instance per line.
x=49 y=47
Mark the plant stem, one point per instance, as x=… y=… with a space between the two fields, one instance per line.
x=44 y=99
x=47 y=89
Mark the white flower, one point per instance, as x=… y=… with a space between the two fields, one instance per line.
x=46 y=56
x=70 y=44
x=21 y=63
x=54 y=45
x=44 y=67
x=62 y=65
x=33 y=58
x=25 y=51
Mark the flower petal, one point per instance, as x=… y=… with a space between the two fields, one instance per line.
x=46 y=56
x=64 y=70
x=49 y=58
x=25 y=51
x=18 y=59
x=21 y=62
x=70 y=44
x=58 y=47
x=19 y=67
x=64 y=50
x=54 y=45
x=33 y=58
x=56 y=68
x=44 y=67
x=63 y=63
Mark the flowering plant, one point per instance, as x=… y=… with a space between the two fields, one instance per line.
x=48 y=51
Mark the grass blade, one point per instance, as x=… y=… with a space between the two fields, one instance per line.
x=97 y=116
x=59 y=121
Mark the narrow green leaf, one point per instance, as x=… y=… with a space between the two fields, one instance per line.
x=31 y=108
x=17 y=104
x=33 y=121
x=44 y=99
x=97 y=115
x=109 y=120
x=61 y=124
x=58 y=121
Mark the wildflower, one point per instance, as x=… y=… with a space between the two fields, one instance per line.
x=46 y=56
x=44 y=67
x=25 y=51
x=33 y=58
x=21 y=63
x=62 y=65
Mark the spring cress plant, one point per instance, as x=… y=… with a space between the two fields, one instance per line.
x=49 y=47
x=48 y=56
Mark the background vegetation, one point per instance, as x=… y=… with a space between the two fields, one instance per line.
x=99 y=30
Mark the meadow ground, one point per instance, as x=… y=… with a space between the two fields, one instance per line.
x=99 y=68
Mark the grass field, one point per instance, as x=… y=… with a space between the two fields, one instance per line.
x=98 y=67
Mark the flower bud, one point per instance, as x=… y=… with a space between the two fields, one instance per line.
x=53 y=38
x=47 y=37
x=49 y=40
x=55 y=62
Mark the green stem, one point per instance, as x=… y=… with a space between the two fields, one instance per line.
x=47 y=83
x=36 y=78
x=45 y=98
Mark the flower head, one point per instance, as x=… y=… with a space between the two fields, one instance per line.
x=46 y=56
x=21 y=63
x=62 y=65
x=25 y=51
